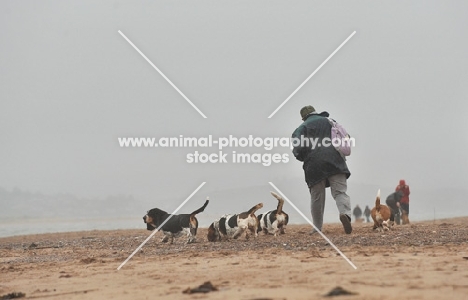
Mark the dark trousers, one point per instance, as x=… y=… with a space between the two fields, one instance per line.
x=395 y=215
x=405 y=207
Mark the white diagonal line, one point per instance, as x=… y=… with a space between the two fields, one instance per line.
x=316 y=70
x=164 y=76
x=307 y=219
x=160 y=226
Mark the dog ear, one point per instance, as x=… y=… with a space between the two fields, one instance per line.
x=149 y=227
x=158 y=217
x=211 y=233
x=259 y=219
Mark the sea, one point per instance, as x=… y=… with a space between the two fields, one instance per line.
x=28 y=226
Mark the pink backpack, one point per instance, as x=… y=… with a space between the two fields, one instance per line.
x=340 y=138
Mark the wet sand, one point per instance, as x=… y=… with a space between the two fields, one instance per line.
x=424 y=260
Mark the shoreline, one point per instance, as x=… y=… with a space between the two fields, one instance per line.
x=139 y=226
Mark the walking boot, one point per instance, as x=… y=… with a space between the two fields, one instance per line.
x=346 y=221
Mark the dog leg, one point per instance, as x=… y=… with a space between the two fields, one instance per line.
x=224 y=237
x=253 y=231
x=281 y=228
x=375 y=226
x=165 y=239
x=238 y=232
x=384 y=225
x=191 y=237
x=275 y=231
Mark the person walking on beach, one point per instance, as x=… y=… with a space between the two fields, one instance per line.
x=404 y=202
x=393 y=201
x=367 y=213
x=357 y=212
x=323 y=166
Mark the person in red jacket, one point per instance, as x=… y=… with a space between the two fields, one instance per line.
x=404 y=202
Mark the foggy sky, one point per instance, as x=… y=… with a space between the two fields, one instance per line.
x=71 y=85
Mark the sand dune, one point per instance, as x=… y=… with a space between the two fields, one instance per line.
x=424 y=260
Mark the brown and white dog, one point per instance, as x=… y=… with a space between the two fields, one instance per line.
x=274 y=221
x=382 y=215
x=233 y=226
x=177 y=225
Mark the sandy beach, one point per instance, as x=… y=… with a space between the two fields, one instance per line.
x=424 y=260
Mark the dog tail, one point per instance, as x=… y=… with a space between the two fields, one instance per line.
x=255 y=208
x=377 y=201
x=279 y=209
x=201 y=208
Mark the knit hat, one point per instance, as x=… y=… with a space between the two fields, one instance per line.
x=402 y=182
x=306 y=110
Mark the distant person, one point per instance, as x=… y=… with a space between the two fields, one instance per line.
x=393 y=201
x=357 y=212
x=323 y=167
x=404 y=203
x=367 y=213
